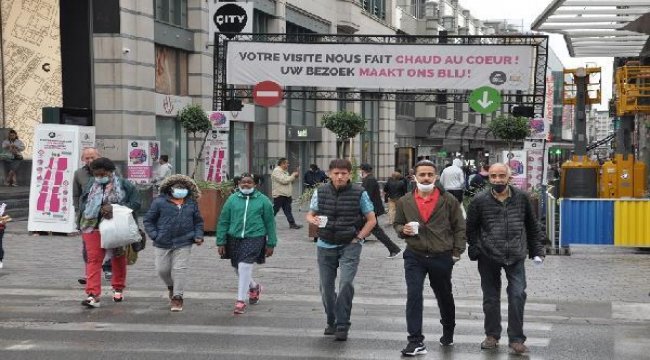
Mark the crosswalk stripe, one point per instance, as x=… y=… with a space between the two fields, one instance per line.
x=431 y=321
x=332 y=351
x=358 y=300
x=236 y=331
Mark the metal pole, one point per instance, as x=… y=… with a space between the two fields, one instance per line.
x=580 y=132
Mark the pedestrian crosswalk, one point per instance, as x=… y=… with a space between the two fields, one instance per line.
x=34 y=322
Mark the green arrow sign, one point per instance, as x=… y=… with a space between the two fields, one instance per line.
x=485 y=100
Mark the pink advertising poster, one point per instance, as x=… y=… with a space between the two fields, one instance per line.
x=535 y=168
x=139 y=161
x=216 y=157
x=516 y=160
x=56 y=155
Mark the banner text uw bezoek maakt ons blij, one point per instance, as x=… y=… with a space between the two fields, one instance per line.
x=387 y=66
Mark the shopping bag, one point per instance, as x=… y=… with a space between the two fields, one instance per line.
x=120 y=230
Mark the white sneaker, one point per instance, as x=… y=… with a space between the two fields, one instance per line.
x=91 y=302
x=1 y=265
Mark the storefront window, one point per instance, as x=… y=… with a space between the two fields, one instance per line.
x=370 y=138
x=240 y=147
x=170 y=135
x=171 y=71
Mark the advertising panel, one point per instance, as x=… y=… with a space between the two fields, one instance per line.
x=56 y=156
x=516 y=160
x=387 y=66
x=216 y=157
x=140 y=160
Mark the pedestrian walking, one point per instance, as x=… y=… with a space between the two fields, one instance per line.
x=164 y=170
x=246 y=235
x=14 y=146
x=501 y=232
x=394 y=189
x=282 y=189
x=432 y=223
x=81 y=178
x=95 y=204
x=339 y=209
x=371 y=185
x=452 y=179
x=174 y=223
x=314 y=176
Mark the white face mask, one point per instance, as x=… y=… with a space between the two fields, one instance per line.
x=425 y=187
x=246 y=191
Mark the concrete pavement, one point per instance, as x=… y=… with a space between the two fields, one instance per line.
x=592 y=304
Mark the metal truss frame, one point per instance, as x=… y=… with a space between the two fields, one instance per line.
x=534 y=97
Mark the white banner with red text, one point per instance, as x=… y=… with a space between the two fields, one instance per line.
x=386 y=66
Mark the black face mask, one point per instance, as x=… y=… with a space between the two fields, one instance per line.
x=499 y=188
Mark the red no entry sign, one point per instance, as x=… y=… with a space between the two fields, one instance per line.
x=267 y=93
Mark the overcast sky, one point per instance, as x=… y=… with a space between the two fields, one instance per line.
x=526 y=11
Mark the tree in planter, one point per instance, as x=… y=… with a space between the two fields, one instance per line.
x=346 y=125
x=194 y=120
x=510 y=128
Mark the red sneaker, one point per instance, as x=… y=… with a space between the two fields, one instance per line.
x=240 y=307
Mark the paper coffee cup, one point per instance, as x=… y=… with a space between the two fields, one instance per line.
x=322 y=221
x=415 y=226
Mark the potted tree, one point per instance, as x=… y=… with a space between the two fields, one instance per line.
x=510 y=128
x=213 y=195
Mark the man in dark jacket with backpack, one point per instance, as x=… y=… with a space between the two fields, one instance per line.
x=501 y=232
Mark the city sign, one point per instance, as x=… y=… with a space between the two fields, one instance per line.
x=230 y=18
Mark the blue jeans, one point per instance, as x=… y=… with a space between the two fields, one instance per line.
x=416 y=269
x=338 y=307
x=491 y=285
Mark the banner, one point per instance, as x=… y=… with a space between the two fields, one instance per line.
x=386 y=66
x=516 y=160
x=216 y=157
x=141 y=154
x=535 y=168
x=56 y=156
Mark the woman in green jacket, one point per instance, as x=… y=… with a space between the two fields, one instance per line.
x=246 y=235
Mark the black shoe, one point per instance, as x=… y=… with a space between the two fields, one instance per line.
x=414 y=348
x=295 y=226
x=447 y=339
x=341 y=334
x=329 y=330
x=82 y=281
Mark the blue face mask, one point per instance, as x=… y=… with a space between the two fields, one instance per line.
x=179 y=193
x=102 y=180
x=246 y=191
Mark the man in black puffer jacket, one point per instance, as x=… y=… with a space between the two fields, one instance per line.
x=501 y=232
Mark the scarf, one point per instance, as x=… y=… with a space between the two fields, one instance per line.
x=98 y=195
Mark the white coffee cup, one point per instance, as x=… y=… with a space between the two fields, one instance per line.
x=414 y=226
x=322 y=221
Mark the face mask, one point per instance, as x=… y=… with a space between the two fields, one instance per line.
x=499 y=188
x=179 y=193
x=425 y=187
x=246 y=191
x=102 y=180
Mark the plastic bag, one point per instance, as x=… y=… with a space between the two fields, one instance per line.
x=121 y=230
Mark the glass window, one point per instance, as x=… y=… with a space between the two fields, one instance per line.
x=169 y=134
x=173 y=12
x=240 y=147
x=370 y=138
x=375 y=7
x=171 y=71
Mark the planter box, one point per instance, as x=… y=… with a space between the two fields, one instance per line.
x=210 y=205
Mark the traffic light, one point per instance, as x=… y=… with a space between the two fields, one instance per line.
x=525 y=111
x=557 y=151
x=232 y=105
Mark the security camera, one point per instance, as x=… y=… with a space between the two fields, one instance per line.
x=126 y=50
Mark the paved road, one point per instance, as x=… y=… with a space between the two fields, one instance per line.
x=594 y=304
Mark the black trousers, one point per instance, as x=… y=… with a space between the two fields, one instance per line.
x=283 y=202
x=416 y=268
x=381 y=236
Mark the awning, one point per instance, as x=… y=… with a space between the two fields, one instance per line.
x=595 y=27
